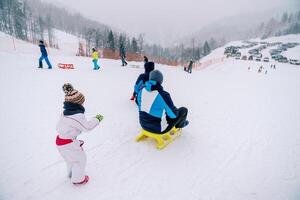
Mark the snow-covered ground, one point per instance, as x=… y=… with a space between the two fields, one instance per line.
x=243 y=141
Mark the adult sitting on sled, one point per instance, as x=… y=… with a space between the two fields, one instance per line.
x=153 y=101
x=142 y=79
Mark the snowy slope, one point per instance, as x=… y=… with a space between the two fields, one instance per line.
x=243 y=140
x=68 y=44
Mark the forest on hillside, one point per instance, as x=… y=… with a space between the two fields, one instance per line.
x=33 y=20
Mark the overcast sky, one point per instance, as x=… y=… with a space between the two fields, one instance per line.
x=157 y=18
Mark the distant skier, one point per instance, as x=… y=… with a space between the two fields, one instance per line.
x=95 y=57
x=248 y=68
x=145 y=59
x=142 y=79
x=190 y=66
x=71 y=124
x=44 y=55
x=153 y=101
x=123 y=55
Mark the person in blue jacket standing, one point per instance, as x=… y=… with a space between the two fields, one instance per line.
x=153 y=101
x=44 y=55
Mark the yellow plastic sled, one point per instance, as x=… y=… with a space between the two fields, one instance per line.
x=162 y=140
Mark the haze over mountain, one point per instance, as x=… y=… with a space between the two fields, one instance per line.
x=164 y=22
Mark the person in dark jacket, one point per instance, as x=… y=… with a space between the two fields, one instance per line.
x=145 y=59
x=123 y=55
x=44 y=55
x=141 y=80
x=190 y=67
x=153 y=101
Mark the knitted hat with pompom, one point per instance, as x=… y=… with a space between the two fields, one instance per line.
x=72 y=95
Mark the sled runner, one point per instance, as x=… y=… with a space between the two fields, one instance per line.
x=65 y=66
x=162 y=140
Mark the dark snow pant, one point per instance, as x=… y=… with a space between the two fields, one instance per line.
x=124 y=63
x=178 y=122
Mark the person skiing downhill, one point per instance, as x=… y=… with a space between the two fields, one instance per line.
x=153 y=101
x=44 y=55
x=141 y=80
x=95 y=57
x=70 y=125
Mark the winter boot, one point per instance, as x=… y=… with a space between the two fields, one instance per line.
x=40 y=65
x=185 y=123
x=85 y=180
x=132 y=98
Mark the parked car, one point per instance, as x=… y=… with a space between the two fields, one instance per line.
x=274 y=56
x=259 y=55
x=244 y=58
x=250 y=58
x=257 y=59
x=274 y=51
x=283 y=60
x=294 y=62
x=266 y=59
x=278 y=57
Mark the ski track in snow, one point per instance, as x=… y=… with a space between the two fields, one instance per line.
x=242 y=141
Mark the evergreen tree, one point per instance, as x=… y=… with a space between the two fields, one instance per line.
x=111 y=41
x=98 y=41
x=141 y=42
x=284 y=18
x=48 y=24
x=206 y=49
x=134 y=45
x=213 y=44
x=89 y=34
x=41 y=27
x=18 y=20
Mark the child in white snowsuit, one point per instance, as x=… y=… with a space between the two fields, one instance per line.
x=71 y=124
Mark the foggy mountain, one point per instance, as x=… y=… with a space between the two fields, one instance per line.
x=236 y=27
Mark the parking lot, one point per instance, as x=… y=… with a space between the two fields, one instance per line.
x=262 y=51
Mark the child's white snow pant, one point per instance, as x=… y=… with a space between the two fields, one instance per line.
x=75 y=157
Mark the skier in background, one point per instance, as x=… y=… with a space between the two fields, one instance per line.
x=70 y=125
x=190 y=67
x=145 y=59
x=123 y=55
x=95 y=57
x=44 y=55
x=142 y=79
x=153 y=101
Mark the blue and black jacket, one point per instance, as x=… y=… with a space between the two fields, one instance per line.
x=142 y=79
x=153 y=102
x=140 y=82
x=43 y=50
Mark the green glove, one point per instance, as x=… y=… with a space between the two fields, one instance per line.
x=99 y=117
